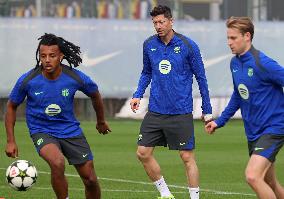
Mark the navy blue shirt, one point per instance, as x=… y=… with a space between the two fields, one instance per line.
x=49 y=106
x=258 y=92
x=170 y=69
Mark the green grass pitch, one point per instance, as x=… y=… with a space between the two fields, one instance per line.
x=221 y=159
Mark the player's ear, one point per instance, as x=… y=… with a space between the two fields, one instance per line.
x=247 y=35
x=61 y=57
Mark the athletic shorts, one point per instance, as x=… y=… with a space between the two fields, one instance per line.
x=174 y=131
x=75 y=149
x=267 y=145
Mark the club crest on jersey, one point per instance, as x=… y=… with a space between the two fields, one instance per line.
x=52 y=110
x=165 y=66
x=39 y=141
x=65 y=92
x=177 y=49
x=243 y=91
x=250 y=72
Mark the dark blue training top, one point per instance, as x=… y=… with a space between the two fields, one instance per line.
x=258 y=92
x=50 y=102
x=170 y=68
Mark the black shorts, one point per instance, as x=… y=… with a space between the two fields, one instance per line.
x=174 y=131
x=75 y=149
x=267 y=145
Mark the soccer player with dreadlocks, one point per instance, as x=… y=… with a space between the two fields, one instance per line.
x=50 y=88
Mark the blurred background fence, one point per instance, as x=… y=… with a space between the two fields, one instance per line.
x=111 y=33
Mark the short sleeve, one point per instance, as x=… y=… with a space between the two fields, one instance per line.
x=18 y=93
x=89 y=86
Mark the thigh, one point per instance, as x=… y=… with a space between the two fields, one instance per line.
x=151 y=133
x=76 y=149
x=257 y=166
x=42 y=139
x=179 y=132
x=48 y=148
x=267 y=145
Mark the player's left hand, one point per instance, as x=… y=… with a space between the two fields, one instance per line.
x=103 y=128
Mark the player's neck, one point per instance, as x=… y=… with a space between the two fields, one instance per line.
x=247 y=48
x=54 y=74
x=167 y=38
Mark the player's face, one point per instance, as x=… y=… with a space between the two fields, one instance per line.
x=162 y=25
x=50 y=57
x=238 y=42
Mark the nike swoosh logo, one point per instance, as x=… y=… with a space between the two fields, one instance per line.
x=87 y=61
x=258 y=148
x=210 y=62
x=181 y=144
x=85 y=155
x=38 y=93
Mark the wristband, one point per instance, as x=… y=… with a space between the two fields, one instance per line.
x=208 y=117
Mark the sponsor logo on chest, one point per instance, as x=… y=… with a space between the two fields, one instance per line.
x=165 y=67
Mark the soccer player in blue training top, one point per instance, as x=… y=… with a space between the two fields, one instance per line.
x=50 y=88
x=258 y=82
x=170 y=60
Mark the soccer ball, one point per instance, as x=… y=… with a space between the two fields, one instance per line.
x=21 y=175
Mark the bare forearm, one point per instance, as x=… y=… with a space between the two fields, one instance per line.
x=98 y=106
x=10 y=120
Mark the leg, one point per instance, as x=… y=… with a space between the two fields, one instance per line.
x=54 y=157
x=256 y=171
x=151 y=166
x=89 y=178
x=192 y=172
x=191 y=168
x=271 y=180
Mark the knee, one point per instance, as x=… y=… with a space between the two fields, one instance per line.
x=142 y=155
x=90 y=181
x=251 y=178
x=57 y=165
x=188 y=158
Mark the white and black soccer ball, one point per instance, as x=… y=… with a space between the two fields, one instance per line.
x=21 y=175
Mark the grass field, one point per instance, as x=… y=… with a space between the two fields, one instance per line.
x=221 y=159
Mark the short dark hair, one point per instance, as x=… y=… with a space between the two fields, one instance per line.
x=243 y=24
x=70 y=51
x=161 y=10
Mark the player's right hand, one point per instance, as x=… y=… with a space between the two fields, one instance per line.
x=134 y=104
x=210 y=127
x=12 y=150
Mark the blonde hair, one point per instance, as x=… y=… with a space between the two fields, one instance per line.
x=243 y=24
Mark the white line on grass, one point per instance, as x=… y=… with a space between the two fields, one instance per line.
x=108 y=190
x=148 y=183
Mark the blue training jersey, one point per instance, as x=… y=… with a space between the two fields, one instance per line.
x=49 y=106
x=170 y=69
x=258 y=92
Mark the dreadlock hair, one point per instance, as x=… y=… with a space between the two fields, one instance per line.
x=70 y=51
